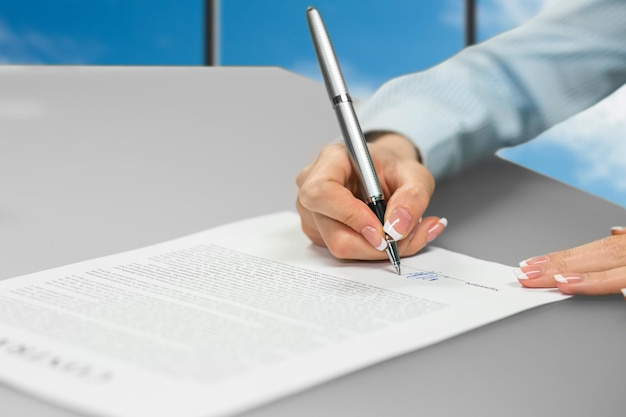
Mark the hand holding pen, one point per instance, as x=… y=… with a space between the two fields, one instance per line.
x=331 y=214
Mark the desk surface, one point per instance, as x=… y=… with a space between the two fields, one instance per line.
x=98 y=160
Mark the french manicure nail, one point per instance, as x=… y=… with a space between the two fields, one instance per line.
x=371 y=235
x=537 y=260
x=624 y=292
x=398 y=223
x=437 y=229
x=568 y=279
x=529 y=272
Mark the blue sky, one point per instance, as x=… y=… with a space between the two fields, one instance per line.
x=108 y=32
x=374 y=40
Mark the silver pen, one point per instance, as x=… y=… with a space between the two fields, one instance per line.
x=349 y=124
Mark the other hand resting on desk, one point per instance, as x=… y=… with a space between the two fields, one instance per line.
x=595 y=268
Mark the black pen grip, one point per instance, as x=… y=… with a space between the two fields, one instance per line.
x=378 y=207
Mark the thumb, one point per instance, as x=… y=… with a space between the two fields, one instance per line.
x=409 y=201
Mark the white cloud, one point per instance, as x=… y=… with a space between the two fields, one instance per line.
x=598 y=138
x=11 y=48
x=31 y=47
x=452 y=14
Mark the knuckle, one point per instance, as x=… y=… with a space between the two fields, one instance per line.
x=310 y=193
x=613 y=247
x=333 y=148
x=302 y=176
x=309 y=231
x=309 y=228
x=560 y=263
x=338 y=247
x=426 y=177
x=415 y=195
x=332 y=152
x=316 y=239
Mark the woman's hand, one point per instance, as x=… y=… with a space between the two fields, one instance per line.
x=333 y=217
x=595 y=268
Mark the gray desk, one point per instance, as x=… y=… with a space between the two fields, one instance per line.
x=95 y=161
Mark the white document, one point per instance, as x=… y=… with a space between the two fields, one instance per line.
x=220 y=321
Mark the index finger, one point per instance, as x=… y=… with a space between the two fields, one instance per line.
x=326 y=193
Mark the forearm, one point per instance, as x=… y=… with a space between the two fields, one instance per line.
x=508 y=89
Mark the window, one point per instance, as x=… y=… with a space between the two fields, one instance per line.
x=374 y=40
x=130 y=32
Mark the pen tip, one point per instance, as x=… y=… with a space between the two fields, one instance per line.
x=398 y=269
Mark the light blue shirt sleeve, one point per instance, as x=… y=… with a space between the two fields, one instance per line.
x=508 y=89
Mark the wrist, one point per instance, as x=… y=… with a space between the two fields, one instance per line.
x=400 y=145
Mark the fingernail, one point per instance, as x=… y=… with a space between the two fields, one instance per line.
x=568 y=279
x=537 y=260
x=624 y=292
x=437 y=229
x=397 y=225
x=371 y=235
x=617 y=228
x=529 y=272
